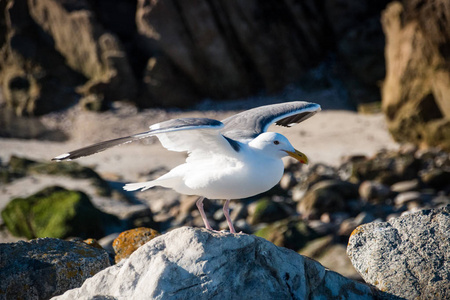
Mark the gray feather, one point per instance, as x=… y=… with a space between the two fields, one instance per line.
x=163 y=127
x=250 y=123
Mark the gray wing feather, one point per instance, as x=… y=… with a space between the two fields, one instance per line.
x=250 y=123
x=163 y=127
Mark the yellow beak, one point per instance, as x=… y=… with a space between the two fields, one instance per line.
x=301 y=157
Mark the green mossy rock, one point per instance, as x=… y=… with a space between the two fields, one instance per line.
x=292 y=233
x=267 y=211
x=58 y=213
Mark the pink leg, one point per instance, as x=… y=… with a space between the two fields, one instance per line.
x=199 y=204
x=226 y=212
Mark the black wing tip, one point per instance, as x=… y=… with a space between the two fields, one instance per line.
x=64 y=156
x=309 y=110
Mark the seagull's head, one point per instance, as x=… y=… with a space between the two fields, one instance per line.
x=277 y=145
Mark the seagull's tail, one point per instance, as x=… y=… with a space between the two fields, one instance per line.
x=139 y=185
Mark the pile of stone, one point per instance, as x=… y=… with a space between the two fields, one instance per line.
x=313 y=210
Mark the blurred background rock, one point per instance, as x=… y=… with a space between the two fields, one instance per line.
x=55 y=54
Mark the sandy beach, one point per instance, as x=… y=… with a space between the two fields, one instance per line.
x=326 y=138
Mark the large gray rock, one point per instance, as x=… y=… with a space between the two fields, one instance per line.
x=407 y=256
x=189 y=263
x=42 y=268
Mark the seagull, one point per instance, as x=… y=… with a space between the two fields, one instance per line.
x=230 y=159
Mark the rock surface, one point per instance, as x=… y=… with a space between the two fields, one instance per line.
x=189 y=263
x=229 y=49
x=53 y=47
x=129 y=241
x=56 y=52
x=42 y=268
x=59 y=213
x=407 y=256
x=415 y=93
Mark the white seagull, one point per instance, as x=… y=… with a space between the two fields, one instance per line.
x=230 y=159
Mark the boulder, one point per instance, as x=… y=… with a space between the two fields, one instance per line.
x=51 y=49
x=86 y=46
x=327 y=196
x=34 y=78
x=189 y=263
x=416 y=90
x=42 y=268
x=59 y=213
x=129 y=241
x=230 y=49
x=406 y=256
x=58 y=53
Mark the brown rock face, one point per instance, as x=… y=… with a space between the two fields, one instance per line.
x=87 y=47
x=174 y=53
x=230 y=48
x=416 y=91
x=50 y=48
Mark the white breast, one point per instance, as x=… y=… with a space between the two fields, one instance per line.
x=235 y=179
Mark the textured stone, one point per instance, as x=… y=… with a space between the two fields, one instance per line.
x=56 y=52
x=327 y=196
x=129 y=241
x=93 y=243
x=87 y=47
x=42 y=268
x=57 y=212
x=189 y=263
x=408 y=256
x=33 y=75
x=415 y=93
x=227 y=49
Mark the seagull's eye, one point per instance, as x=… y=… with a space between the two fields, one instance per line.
x=276 y=142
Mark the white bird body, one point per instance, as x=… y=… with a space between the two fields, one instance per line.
x=229 y=159
x=242 y=174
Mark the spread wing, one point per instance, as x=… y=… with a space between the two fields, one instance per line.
x=187 y=134
x=250 y=123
